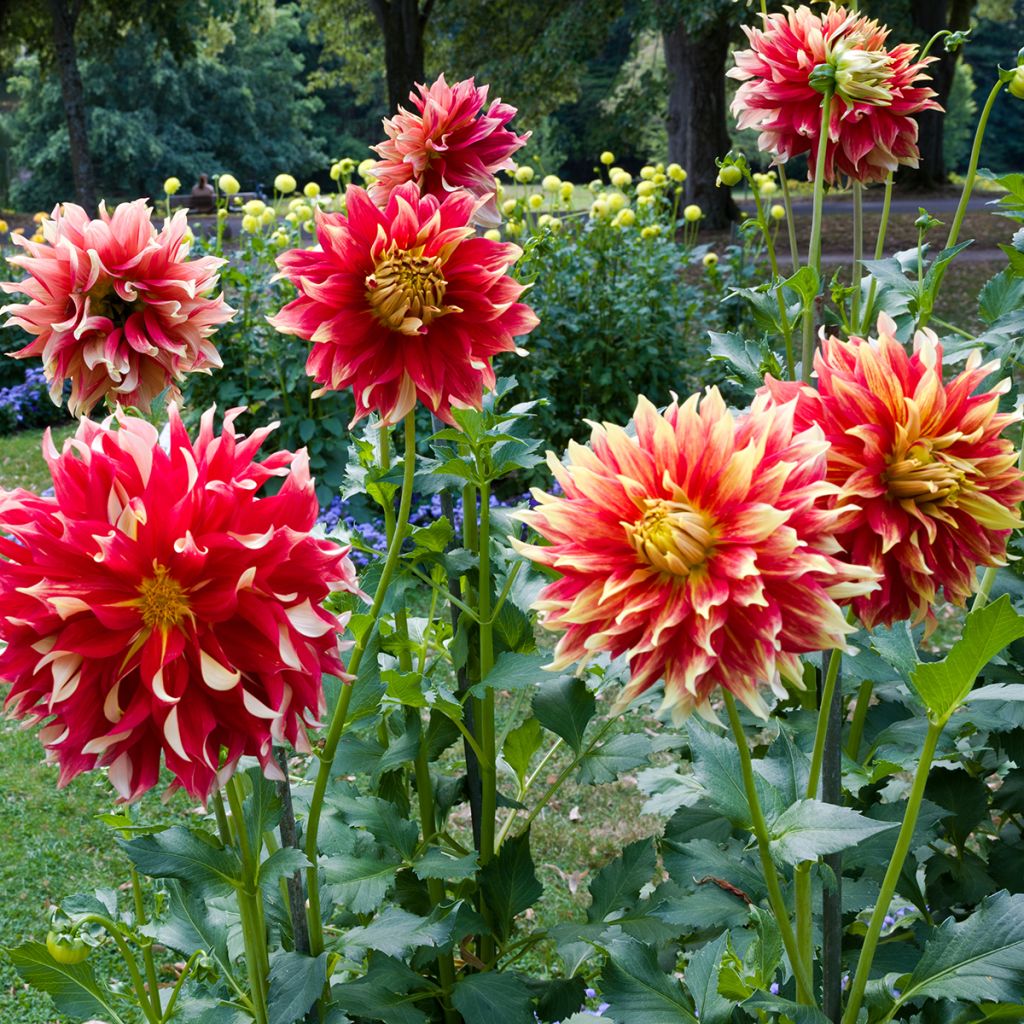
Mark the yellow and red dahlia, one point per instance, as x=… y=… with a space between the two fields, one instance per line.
x=404 y=303
x=159 y=604
x=928 y=487
x=449 y=142
x=699 y=548
x=872 y=127
x=115 y=306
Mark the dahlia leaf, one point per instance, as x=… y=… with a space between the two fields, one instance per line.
x=745 y=357
x=559 y=998
x=295 y=982
x=564 y=706
x=762 y=1001
x=280 y=864
x=606 y=761
x=702 y=983
x=809 y=828
x=895 y=644
x=618 y=883
x=190 y=924
x=386 y=993
x=361 y=875
x=520 y=745
x=436 y=863
x=493 y=998
x=381 y=818
x=262 y=807
x=1000 y=295
x=514 y=671
x=638 y=989
x=765 y=953
x=944 y=685
x=980 y=958
x=509 y=883
x=396 y=932
x=181 y=853
x=72 y=987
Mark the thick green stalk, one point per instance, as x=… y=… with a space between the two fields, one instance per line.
x=802 y=874
x=771 y=877
x=860 y=714
x=892 y=874
x=249 y=906
x=858 y=249
x=972 y=174
x=337 y=724
x=814 y=247
x=485 y=722
x=883 y=227
x=818 y=752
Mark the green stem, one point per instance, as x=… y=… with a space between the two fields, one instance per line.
x=817 y=754
x=510 y=820
x=173 y=998
x=384 y=459
x=114 y=931
x=972 y=174
x=250 y=906
x=147 y=947
x=787 y=202
x=931 y=42
x=485 y=723
x=883 y=227
x=771 y=877
x=860 y=714
x=892 y=874
x=858 y=249
x=814 y=246
x=337 y=724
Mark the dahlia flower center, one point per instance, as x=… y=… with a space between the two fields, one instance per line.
x=405 y=291
x=104 y=301
x=162 y=600
x=862 y=75
x=671 y=536
x=923 y=477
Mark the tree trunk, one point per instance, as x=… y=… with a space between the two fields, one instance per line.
x=402 y=24
x=64 y=16
x=929 y=17
x=697 y=131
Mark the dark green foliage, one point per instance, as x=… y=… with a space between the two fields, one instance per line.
x=241 y=109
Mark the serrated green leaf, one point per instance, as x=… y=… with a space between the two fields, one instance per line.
x=280 y=864
x=810 y=828
x=565 y=706
x=514 y=671
x=943 y=685
x=395 y=932
x=618 y=883
x=520 y=745
x=606 y=761
x=509 y=883
x=702 y=983
x=361 y=878
x=493 y=997
x=895 y=645
x=295 y=982
x=72 y=987
x=436 y=863
x=381 y=818
x=639 y=990
x=980 y=958
x=386 y=993
x=182 y=854
x=797 y=1014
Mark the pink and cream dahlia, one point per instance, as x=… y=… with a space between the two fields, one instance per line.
x=449 y=142
x=159 y=604
x=115 y=306
x=928 y=487
x=404 y=303
x=699 y=548
x=872 y=128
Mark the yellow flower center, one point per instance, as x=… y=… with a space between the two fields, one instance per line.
x=104 y=301
x=162 y=600
x=923 y=476
x=671 y=536
x=405 y=291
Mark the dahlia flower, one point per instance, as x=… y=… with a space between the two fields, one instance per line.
x=449 y=143
x=158 y=603
x=872 y=129
x=404 y=303
x=928 y=487
x=699 y=548
x=116 y=307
